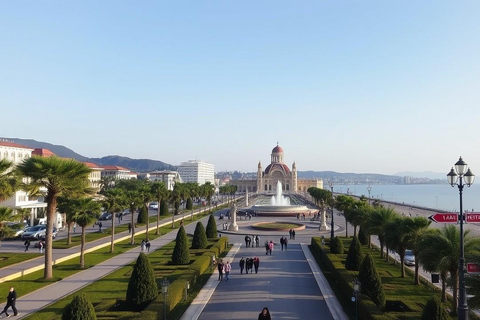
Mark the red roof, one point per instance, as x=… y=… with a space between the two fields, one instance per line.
x=277 y=149
x=92 y=165
x=43 y=152
x=277 y=167
x=117 y=168
x=13 y=145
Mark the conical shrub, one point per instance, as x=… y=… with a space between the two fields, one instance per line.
x=336 y=246
x=189 y=205
x=211 y=227
x=199 y=237
x=371 y=283
x=79 y=309
x=363 y=237
x=163 y=207
x=142 y=287
x=354 y=256
x=434 y=310
x=142 y=215
x=181 y=252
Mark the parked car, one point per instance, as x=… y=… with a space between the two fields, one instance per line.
x=54 y=234
x=105 y=216
x=409 y=259
x=35 y=232
x=19 y=233
x=153 y=205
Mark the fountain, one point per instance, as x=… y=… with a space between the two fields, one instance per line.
x=278 y=205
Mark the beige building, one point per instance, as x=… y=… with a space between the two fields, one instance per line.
x=277 y=170
x=169 y=178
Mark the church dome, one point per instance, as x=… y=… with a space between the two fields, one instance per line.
x=277 y=149
x=283 y=168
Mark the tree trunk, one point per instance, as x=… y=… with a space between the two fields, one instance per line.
x=69 y=233
x=146 y=225
x=82 y=249
x=454 y=276
x=346 y=225
x=158 y=216
x=402 y=266
x=132 y=237
x=417 y=275
x=51 y=209
x=112 y=237
x=444 y=286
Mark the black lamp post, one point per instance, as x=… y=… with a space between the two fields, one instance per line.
x=369 y=189
x=356 y=290
x=332 y=226
x=165 y=285
x=461 y=173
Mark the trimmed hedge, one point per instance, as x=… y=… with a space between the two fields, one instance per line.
x=79 y=309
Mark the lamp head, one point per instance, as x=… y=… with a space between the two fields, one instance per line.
x=461 y=167
x=469 y=177
x=452 y=177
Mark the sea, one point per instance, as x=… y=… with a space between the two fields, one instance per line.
x=442 y=197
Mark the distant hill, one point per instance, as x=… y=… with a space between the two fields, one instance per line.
x=136 y=165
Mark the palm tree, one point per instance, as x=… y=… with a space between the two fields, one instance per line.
x=115 y=202
x=174 y=197
x=358 y=213
x=209 y=191
x=59 y=177
x=415 y=227
x=132 y=200
x=67 y=206
x=160 y=192
x=87 y=212
x=343 y=204
x=379 y=218
x=473 y=283
x=396 y=238
x=8 y=180
x=145 y=195
x=443 y=249
x=6 y=215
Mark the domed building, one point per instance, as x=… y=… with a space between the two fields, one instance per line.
x=276 y=171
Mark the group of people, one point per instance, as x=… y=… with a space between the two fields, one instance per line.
x=145 y=245
x=284 y=242
x=291 y=232
x=248 y=241
x=224 y=268
x=269 y=247
x=249 y=264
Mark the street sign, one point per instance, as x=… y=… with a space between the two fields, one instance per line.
x=473 y=268
x=444 y=217
x=473 y=217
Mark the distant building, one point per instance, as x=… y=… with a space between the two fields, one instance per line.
x=266 y=181
x=197 y=171
x=169 y=178
x=95 y=177
x=118 y=172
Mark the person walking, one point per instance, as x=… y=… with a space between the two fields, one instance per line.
x=247 y=264
x=40 y=246
x=281 y=242
x=270 y=247
x=266 y=247
x=290 y=233
x=27 y=244
x=147 y=245
x=285 y=242
x=227 y=269
x=264 y=315
x=129 y=228
x=142 y=245
x=242 y=265
x=257 y=241
x=293 y=234
x=247 y=241
x=100 y=225
x=11 y=299
x=220 y=270
x=74 y=227
x=256 y=264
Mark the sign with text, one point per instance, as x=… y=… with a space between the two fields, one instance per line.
x=473 y=217
x=444 y=217
x=473 y=268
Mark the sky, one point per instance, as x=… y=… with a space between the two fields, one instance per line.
x=345 y=86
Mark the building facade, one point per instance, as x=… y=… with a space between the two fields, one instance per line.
x=117 y=172
x=197 y=171
x=169 y=178
x=277 y=170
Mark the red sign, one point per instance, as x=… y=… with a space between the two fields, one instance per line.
x=473 y=217
x=444 y=217
x=473 y=268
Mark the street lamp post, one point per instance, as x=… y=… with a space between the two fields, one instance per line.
x=332 y=226
x=369 y=189
x=165 y=285
x=356 y=290
x=463 y=174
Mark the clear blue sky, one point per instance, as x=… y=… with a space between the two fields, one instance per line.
x=349 y=86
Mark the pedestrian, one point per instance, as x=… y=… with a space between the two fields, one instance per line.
x=250 y=265
x=119 y=217
x=264 y=315
x=285 y=243
x=74 y=227
x=248 y=240
x=281 y=242
x=227 y=269
x=27 y=244
x=129 y=228
x=40 y=246
x=256 y=263
x=247 y=264
x=270 y=247
x=11 y=299
x=242 y=265
x=257 y=241
x=100 y=226
x=290 y=233
x=266 y=247
x=142 y=245
x=293 y=234
x=220 y=270
x=147 y=245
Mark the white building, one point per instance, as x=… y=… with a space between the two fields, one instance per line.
x=197 y=171
x=117 y=172
x=169 y=178
x=16 y=153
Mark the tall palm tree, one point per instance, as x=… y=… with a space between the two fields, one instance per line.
x=59 y=177
x=6 y=215
x=160 y=192
x=145 y=194
x=358 y=213
x=114 y=202
x=87 y=212
x=379 y=218
x=174 y=197
x=343 y=204
x=67 y=206
x=396 y=238
x=415 y=227
x=209 y=191
x=8 y=180
x=444 y=250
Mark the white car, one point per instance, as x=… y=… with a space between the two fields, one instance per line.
x=35 y=232
x=153 y=205
x=409 y=258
